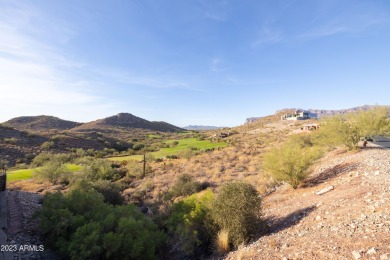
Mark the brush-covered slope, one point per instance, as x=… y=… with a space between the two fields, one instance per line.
x=40 y=123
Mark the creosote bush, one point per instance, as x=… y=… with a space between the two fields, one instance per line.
x=237 y=209
x=184 y=186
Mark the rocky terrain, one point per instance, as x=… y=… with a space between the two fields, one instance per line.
x=341 y=212
x=23 y=231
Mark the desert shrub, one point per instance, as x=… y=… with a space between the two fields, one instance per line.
x=109 y=190
x=11 y=140
x=54 y=171
x=135 y=169
x=291 y=162
x=41 y=159
x=47 y=145
x=348 y=129
x=81 y=226
x=3 y=163
x=150 y=157
x=45 y=157
x=187 y=153
x=101 y=169
x=138 y=147
x=184 y=186
x=237 y=209
x=189 y=224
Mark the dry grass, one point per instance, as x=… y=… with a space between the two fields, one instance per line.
x=222 y=242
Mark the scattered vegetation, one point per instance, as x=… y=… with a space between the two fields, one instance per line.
x=92 y=221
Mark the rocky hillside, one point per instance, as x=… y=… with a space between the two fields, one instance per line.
x=320 y=113
x=40 y=123
x=18 y=145
x=342 y=212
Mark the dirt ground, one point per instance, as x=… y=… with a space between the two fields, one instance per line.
x=349 y=220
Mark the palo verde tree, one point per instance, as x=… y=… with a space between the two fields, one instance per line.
x=290 y=163
x=348 y=129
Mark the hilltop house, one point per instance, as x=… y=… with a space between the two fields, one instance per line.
x=297 y=115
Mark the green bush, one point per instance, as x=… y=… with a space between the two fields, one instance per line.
x=11 y=140
x=237 y=209
x=54 y=171
x=348 y=129
x=81 y=226
x=3 y=163
x=184 y=186
x=189 y=224
x=109 y=190
x=138 y=147
x=47 y=145
x=290 y=163
x=100 y=169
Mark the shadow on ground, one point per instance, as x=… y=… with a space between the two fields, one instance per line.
x=329 y=174
x=279 y=224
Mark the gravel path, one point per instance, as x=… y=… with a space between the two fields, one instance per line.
x=23 y=229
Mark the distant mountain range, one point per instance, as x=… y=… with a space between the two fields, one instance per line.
x=202 y=127
x=321 y=113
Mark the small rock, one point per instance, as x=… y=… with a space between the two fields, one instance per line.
x=318 y=217
x=384 y=257
x=356 y=254
x=371 y=251
x=325 y=190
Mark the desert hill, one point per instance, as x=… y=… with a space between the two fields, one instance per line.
x=40 y=123
x=126 y=121
x=25 y=136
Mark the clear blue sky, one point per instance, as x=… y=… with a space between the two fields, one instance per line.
x=191 y=62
